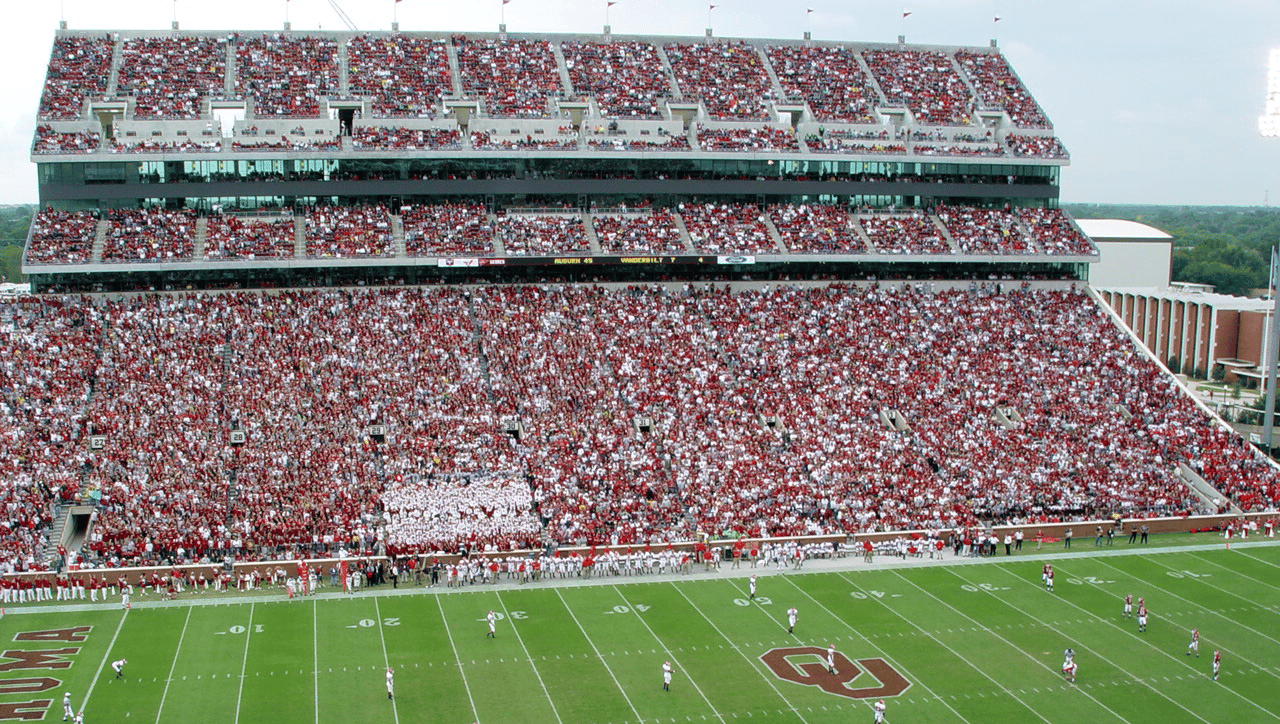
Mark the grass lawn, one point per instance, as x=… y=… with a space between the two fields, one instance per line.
x=971 y=643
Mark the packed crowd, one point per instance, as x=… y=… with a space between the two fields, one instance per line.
x=626 y=417
x=235 y=237
x=148 y=145
x=1037 y=146
x=986 y=231
x=452 y=512
x=542 y=235
x=836 y=144
x=665 y=143
x=170 y=77
x=626 y=78
x=490 y=140
x=380 y=138
x=79 y=68
x=286 y=75
x=517 y=78
x=150 y=235
x=828 y=79
x=447 y=230
x=62 y=237
x=51 y=141
x=925 y=82
x=405 y=76
x=655 y=232
x=998 y=87
x=1055 y=232
x=816 y=228
x=905 y=233
x=747 y=139
x=727 y=228
x=349 y=231
x=287 y=142
x=729 y=79
x=943 y=149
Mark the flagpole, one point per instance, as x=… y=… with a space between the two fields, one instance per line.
x=709 y=9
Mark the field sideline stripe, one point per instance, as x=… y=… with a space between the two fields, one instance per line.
x=752 y=662
x=1209 y=610
x=1260 y=560
x=173 y=667
x=529 y=656
x=1130 y=634
x=382 y=636
x=1242 y=575
x=315 y=653
x=599 y=655
x=883 y=654
x=939 y=641
x=103 y=664
x=248 y=633
x=1049 y=627
x=673 y=656
x=462 y=670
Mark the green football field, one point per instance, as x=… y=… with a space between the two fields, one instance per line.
x=971 y=643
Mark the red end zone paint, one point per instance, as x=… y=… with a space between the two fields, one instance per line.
x=887 y=681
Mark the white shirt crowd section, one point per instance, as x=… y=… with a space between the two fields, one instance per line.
x=405 y=76
x=150 y=235
x=727 y=228
x=233 y=237
x=645 y=415
x=171 y=77
x=344 y=232
x=286 y=75
x=456 y=511
x=816 y=228
x=62 y=237
x=626 y=77
x=647 y=233
x=542 y=235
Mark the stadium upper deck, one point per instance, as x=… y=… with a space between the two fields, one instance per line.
x=285 y=124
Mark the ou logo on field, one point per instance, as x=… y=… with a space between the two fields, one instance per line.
x=887 y=681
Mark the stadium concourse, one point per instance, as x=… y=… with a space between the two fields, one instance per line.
x=513 y=416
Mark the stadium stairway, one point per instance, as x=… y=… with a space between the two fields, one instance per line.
x=498 y=247
x=344 y=69
x=1206 y=492
x=229 y=83
x=300 y=237
x=670 y=74
x=477 y=338
x=684 y=232
x=773 y=77
x=563 y=68
x=964 y=78
x=861 y=233
x=773 y=233
x=455 y=72
x=590 y=230
x=871 y=79
x=202 y=231
x=955 y=245
x=113 y=80
x=99 y=242
x=397 y=236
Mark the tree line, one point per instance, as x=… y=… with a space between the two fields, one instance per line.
x=1226 y=246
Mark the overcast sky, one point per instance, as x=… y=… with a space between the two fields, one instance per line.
x=1157 y=100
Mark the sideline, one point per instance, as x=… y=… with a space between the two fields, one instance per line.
x=850 y=564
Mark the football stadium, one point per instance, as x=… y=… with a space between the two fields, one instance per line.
x=595 y=379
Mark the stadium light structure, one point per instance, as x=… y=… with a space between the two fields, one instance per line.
x=1269 y=127
x=1269 y=121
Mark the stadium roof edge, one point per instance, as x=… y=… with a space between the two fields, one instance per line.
x=597 y=37
x=1120 y=229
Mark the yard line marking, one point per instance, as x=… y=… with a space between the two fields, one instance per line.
x=1130 y=634
x=173 y=666
x=979 y=669
x=1232 y=570
x=883 y=654
x=753 y=662
x=248 y=631
x=527 y=655
x=1019 y=648
x=315 y=653
x=574 y=616
x=461 y=669
x=673 y=656
x=382 y=636
x=1204 y=608
x=103 y=664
